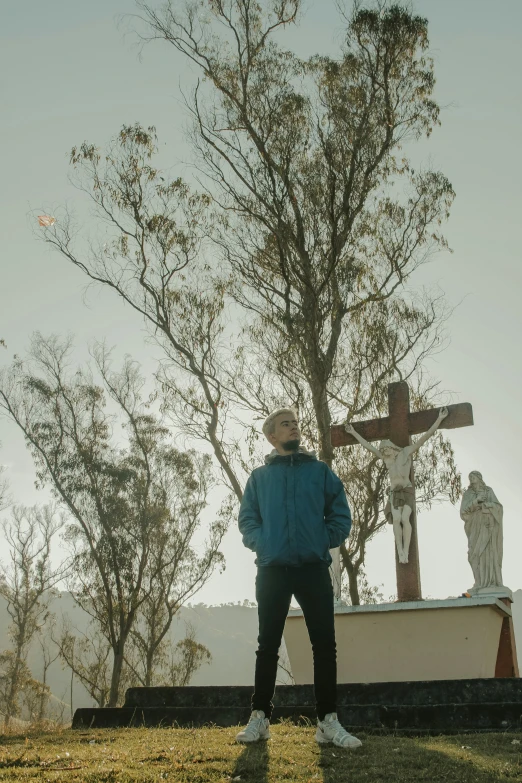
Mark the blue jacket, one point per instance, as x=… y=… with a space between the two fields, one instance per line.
x=294 y=510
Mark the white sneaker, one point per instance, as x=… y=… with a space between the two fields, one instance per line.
x=330 y=730
x=257 y=728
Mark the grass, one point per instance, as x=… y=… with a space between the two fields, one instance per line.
x=211 y=755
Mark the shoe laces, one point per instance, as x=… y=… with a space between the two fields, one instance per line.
x=256 y=719
x=339 y=731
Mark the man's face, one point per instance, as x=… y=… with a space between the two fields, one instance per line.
x=286 y=434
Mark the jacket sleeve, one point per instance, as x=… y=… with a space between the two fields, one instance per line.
x=249 y=516
x=337 y=515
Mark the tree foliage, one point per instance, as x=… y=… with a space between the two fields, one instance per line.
x=149 y=250
x=324 y=219
x=134 y=501
x=304 y=157
x=186 y=657
x=27 y=580
x=316 y=221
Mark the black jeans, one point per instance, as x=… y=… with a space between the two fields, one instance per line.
x=312 y=587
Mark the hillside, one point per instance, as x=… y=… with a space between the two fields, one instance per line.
x=229 y=632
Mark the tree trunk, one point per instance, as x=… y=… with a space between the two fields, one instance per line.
x=149 y=671
x=11 y=699
x=14 y=687
x=323 y=420
x=353 y=586
x=43 y=696
x=71 y=694
x=223 y=461
x=116 y=676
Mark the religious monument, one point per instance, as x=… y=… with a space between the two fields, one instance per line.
x=437 y=665
x=482 y=514
x=395 y=431
x=466 y=638
x=402 y=492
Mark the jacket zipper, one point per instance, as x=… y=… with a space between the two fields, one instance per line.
x=292 y=466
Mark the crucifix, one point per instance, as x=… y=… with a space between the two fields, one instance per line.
x=398 y=427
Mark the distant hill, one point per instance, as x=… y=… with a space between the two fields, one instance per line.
x=229 y=631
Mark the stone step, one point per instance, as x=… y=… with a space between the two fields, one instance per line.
x=436 y=718
x=435 y=692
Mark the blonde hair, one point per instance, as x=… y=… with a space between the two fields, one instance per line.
x=269 y=423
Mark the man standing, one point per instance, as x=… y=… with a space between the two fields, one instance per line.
x=294 y=510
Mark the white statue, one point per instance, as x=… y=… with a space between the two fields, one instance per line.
x=402 y=493
x=482 y=515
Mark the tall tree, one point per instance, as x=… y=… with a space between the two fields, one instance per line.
x=305 y=158
x=319 y=218
x=167 y=585
x=26 y=583
x=150 y=251
x=323 y=218
x=215 y=382
x=122 y=500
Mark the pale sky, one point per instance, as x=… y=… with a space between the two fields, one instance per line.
x=72 y=74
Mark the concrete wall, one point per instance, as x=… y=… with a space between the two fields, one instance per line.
x=516 y=610
x=430 y=640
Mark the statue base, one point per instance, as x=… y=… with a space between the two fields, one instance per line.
x=498 y=591
x=452 y=639
x=412 y=708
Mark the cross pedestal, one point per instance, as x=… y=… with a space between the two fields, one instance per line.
x=398 y=427
x=450 y=639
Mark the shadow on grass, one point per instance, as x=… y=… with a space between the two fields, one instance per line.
x=402 y=760
x=493 y=755
x=252 y=763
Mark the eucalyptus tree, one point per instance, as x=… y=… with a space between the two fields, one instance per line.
x=323 y=217
x=149 y=249
x=87 y=654
x=149 y=640
x=126 y=487
x=324 y=220
x=27 y=580
x=213 y=387
x=186 y=658
x=316 y=219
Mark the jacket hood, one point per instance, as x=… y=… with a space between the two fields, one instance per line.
x=302 y=452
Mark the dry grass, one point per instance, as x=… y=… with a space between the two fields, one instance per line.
x=211 y=755
x=28 y=728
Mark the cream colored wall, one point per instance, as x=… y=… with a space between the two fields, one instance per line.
x=434 y=644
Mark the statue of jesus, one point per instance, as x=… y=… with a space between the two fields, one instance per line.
x=402 y=493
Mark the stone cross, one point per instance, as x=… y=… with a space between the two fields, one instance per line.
x=398 y=426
